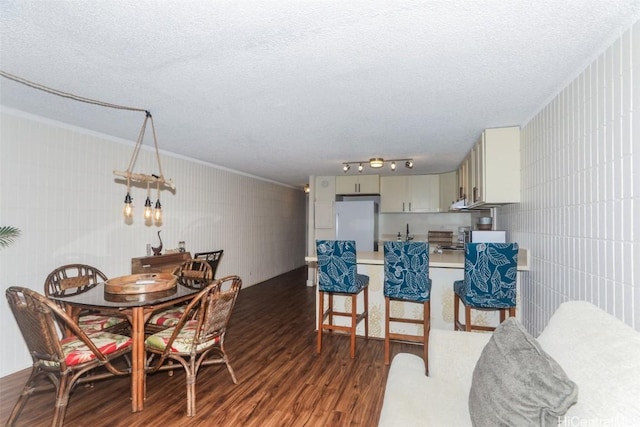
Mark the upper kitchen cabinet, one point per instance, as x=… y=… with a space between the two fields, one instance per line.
x=449 y=190
x=410 y=193
x=358 y=184
x=493 y=167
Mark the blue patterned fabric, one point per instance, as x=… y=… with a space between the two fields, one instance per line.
x=490 y=271
x=337 y=267
x=406 y=271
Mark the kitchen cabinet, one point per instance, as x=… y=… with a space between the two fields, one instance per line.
x=358 y=184
x=464 y=180
x=493 y=167
x=449 y=190
x=410 y=193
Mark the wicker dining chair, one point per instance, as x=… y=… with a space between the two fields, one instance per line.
x=74 y=279
x=213 y=258
x=194 y=273
x=198 y=338
x=66 y=362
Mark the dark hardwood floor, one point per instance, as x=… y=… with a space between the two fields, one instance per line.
x=281 y=379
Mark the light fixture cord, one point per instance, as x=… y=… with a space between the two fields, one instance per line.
x=136 y=149
x=66 y=94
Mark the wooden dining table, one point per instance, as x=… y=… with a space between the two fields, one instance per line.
x=138 y=308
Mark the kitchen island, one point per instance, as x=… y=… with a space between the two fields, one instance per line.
x=444 y=269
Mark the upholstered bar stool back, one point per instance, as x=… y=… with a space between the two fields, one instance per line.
x=406 y=279
x=337 y=275
x=490 y=273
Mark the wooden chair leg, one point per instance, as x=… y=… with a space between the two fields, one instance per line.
x=366 y=310
x=426 y=330
x=387 y=350
x=320 y=321
x=191 y=395
x=456 y=311
x=330 y=306
x=512 y=312
x=62 y=398
x=503 y=314
x=467 y=318
x=354 y=313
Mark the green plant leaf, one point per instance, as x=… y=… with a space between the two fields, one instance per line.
x=8 y=235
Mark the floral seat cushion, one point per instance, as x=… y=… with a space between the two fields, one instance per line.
x=76 y=352
x=406 y=271
x=167 y=318
x=490 y=274
x=183 y=343
x=97 y=322
x=337 y=267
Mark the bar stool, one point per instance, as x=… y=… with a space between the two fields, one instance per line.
x=337 y=276
x=406 y=279
x=490 y=273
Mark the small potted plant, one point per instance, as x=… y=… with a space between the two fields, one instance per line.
x=8 y=235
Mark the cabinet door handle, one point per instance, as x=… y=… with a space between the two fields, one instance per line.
x=475 y=194
x=409 y=206
x=460 y=195
x=402 y=206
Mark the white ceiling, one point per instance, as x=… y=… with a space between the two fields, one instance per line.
x=284 y=89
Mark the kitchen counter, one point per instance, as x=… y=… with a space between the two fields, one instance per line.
x=447 y=259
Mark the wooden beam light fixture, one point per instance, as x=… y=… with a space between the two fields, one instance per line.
x=158 y=180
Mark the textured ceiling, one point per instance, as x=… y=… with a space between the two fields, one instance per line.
x=286 y=89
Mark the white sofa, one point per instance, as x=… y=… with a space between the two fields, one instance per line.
x=598 y=352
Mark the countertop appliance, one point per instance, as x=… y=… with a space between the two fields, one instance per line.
x=358 y=220
x=488 y=236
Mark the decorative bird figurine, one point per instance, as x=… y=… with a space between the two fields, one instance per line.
x=157 y=250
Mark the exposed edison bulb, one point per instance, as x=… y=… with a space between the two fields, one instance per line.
x=147 y=209
x=346 y=167
x=128 y=206
x=157 y=213
x=393 y=166
x=360 y=167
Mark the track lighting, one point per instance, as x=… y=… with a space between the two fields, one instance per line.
x=377 y=163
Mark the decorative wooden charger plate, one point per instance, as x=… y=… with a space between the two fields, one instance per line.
x=140 y=283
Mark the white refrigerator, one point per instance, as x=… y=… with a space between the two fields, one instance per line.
x=358 y=220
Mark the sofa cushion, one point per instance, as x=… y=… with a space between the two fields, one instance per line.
x=602 y=355
x=411 y=399
x=516 y=383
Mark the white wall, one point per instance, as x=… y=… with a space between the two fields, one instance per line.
x=58 y=187
x=580 y=210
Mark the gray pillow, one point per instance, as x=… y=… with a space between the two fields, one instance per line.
x=515 y=383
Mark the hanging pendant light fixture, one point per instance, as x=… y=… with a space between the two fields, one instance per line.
x=157 y=213
x=128 y=204
x=147 y=205
x=159 y=180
